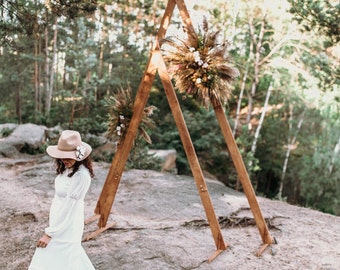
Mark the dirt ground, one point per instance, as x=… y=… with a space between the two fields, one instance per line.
x=163 y=238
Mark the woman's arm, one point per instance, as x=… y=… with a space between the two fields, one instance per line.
x=63 y=217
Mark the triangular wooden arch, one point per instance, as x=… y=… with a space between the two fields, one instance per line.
x=156 y=63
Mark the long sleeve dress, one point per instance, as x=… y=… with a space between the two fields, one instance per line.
x=66 y=225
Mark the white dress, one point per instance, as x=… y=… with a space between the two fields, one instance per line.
x=66 y=225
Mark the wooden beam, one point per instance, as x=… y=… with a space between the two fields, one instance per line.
x=112 y=181
x=98 y=231
x=190 y=153
x=242 y=172
x=184 y=13
x=110 y=187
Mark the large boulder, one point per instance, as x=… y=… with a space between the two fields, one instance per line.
x=30 y=134
x=25 y=138
x=168 y=158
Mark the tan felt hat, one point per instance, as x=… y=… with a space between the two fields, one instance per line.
x=70 y=146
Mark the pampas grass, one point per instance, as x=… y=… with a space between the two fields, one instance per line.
x=120 y=108
x=200 y=65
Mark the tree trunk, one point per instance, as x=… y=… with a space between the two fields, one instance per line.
x=47 y=74
x=258 y=43
x=18 y=102
x=50 y=68
x=239 y=102
x=36 y=69
x=251 y=46
x=54 y=58
x=73 y=106
x=36 y=78
x=335 y=154
x=259 y=126
x=235 y=15
x=103 y=38
x=290 y=147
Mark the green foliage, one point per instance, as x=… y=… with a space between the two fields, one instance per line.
x=22 y=17
x=94 y=142
x=6 y=132
x=323 y=192
x=207 y=139
x=5 y=115
x=270 y=155
x=33 y=151
x=17 y=16
x=319 y=16
x=92 y=125
x=313 y=180
x=72 y=8
x=322 y=67
x=140 y=159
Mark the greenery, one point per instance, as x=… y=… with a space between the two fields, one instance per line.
x=5 y=132
x=61 y=61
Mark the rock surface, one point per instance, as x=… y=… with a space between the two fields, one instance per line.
x=161 y=224
x=29 y=136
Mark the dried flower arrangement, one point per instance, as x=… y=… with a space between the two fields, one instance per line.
x=200 y=65
x=120 y=114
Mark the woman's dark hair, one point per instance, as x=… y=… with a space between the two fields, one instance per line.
x=87 y=162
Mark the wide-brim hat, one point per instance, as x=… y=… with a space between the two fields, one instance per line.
x=70 y=146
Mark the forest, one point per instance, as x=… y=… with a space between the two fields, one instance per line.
x=65 y=62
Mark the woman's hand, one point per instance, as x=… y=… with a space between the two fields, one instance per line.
x=43 y=241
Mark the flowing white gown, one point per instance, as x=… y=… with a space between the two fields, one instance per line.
x=66 y=225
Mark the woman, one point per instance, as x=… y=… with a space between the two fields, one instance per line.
x=60 y=246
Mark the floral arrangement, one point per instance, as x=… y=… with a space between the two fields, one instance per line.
x=200 y=65
x=120 y=114
x=80 y=152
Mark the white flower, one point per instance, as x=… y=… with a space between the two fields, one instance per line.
x=121 y=117
x=205 y=65
x=118 y=128
x=119 y=133
x=80 y=152
x=200 y=62
x=122 y=125
x=192 y=49
x=197 y=56
x=198 y=80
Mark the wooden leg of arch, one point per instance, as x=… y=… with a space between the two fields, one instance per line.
x=94 y=234
x=214 y=255
x=262 y=248
x=192 y=157
x=243 y=176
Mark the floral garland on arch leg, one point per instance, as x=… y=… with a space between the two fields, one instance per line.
x=120 y=111
x=200 y=65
